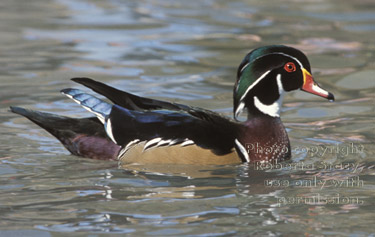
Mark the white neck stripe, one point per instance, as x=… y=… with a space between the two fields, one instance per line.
x=254 y=84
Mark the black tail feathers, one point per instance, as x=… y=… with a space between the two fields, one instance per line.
x=82 y=137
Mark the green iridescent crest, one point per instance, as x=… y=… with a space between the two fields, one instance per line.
x=247 y=74
x=245 y=81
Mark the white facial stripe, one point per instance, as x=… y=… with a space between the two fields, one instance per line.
x=254 y=84
x=287 y=55
x=265 y=74
x=273 y=109
x=279 y=84
x=242 y=150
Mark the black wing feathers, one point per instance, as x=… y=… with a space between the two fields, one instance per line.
x=170 y=125
x=134 y=117
x=125 y=99
x=134 y=102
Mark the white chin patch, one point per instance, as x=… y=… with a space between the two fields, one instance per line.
x=273 y=109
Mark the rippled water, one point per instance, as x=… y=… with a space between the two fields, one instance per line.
x=187 y=53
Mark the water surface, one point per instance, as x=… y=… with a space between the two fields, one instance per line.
x=187 y=53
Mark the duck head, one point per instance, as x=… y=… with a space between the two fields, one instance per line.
x=266 y=73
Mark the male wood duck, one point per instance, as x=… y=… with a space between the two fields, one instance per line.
x=134 y=129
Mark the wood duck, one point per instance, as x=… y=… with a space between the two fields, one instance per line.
x=139 y=130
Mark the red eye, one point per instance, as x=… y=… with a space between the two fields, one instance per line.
x=290 y=67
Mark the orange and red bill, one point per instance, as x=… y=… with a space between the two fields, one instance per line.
x=309 y=85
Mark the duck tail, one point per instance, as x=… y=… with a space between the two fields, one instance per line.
x=84 y=137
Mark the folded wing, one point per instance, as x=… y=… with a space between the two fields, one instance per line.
x=134 y=119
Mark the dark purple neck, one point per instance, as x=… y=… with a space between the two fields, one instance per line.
x=265 y=139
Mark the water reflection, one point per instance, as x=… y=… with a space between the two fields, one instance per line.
x=185 y=53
